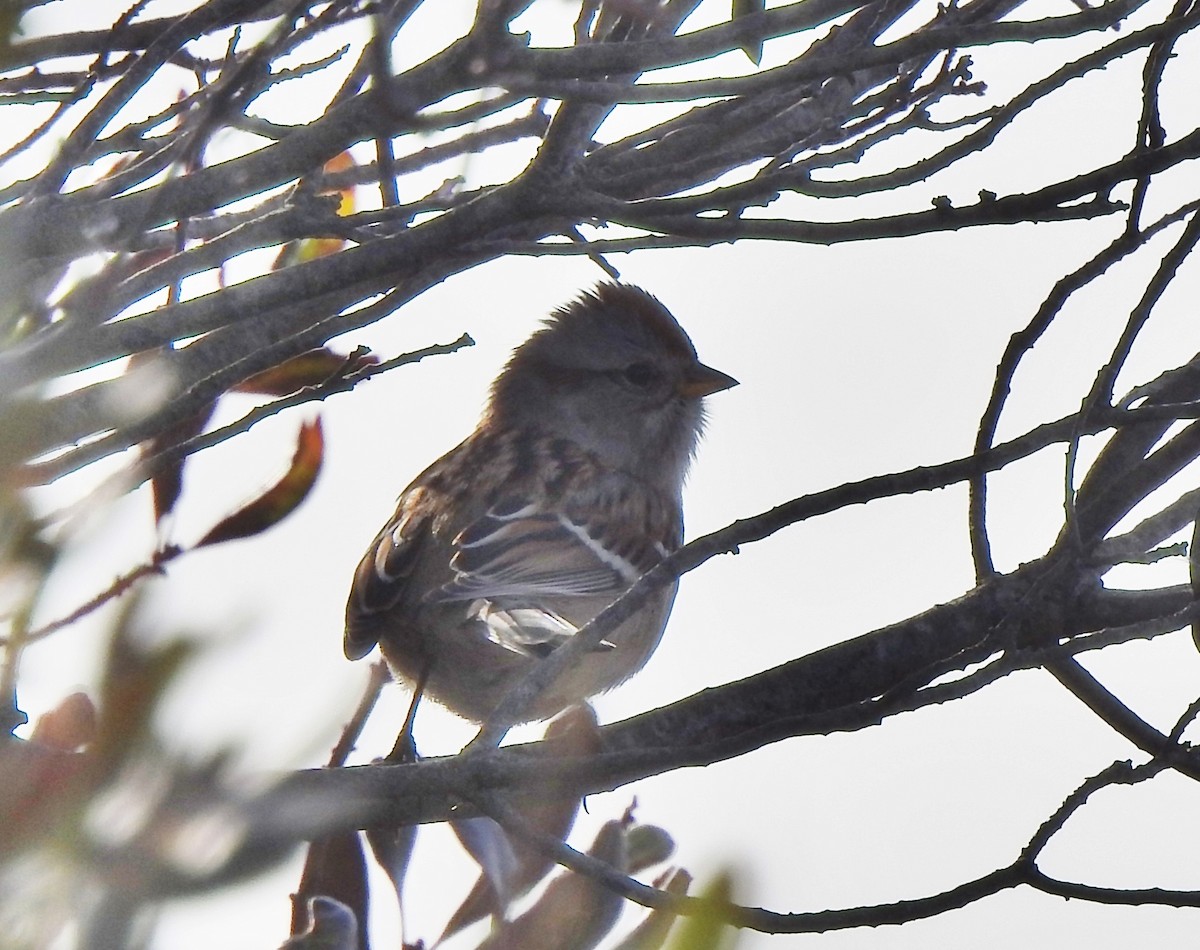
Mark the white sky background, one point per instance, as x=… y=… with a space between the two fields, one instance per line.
x=854 y=360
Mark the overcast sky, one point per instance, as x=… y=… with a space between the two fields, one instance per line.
x=854 y=360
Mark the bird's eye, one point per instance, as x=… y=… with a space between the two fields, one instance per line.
x=641 y=375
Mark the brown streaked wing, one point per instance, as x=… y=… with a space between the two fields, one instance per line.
x=518 y=550
x=383 y=576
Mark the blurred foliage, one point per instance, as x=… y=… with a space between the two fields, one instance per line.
x=707 y=930
x=102 y=821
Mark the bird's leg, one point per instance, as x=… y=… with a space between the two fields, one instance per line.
x=405 y=749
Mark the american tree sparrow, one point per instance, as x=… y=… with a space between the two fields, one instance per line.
x=563 y=496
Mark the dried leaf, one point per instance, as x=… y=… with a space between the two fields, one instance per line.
x=43 y=786
x=574 y=733
x=135 y=678
x=282 y=498
x=335 y=867
x=69 y=725
x=40 y=786
x=308 y=249
x=648 y=845
x=393 y=849
x=491 y=848
x=308 y=369
x=341 y=162
x=332 y=926
x=575 y=911
x=167 y=480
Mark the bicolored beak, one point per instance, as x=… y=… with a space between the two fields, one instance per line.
x=703 y=380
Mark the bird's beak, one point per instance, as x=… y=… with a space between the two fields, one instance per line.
x=702 y=380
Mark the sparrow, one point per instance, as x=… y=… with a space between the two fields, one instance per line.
x=567 y=492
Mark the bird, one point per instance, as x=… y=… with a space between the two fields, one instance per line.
x=568 y=491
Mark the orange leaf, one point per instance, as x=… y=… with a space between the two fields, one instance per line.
x=340 y=163
x=282 y=498
x=310 y=249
